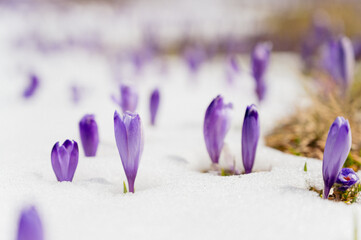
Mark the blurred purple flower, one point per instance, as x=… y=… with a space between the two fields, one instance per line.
x=128 y=98
x=232 y=69
x=32 y=87
x=217 y=122
x=129 y=138
x=346 y=178
x=153 y=106
x=75 y=93
x=337 y=147
x=64 y=160
x=259 y=61
x=250 y=136
x=194 y=57
x=319 y=33
x=339 y=61
x=89 y=135
x=29 y=225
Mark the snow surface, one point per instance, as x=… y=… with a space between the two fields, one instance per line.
x=173 y=199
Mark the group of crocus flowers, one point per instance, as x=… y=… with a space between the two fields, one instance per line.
x=217 y=122
x=128 y=136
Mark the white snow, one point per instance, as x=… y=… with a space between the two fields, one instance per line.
x=173 y=199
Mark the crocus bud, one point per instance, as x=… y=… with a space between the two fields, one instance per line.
x=346 y=179
x=259 y=61
x=194 y=57
x=30 y=226
x=64 y=160
x=339 y=61
x=129 y=98
x=338 y=145
x=232 y=69
x=153 y=106
x=89 y=135
x=250 y=136
x=217 y=122
x=129 y=138
x=32 y=87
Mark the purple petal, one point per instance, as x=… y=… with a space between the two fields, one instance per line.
x=55 y=162
x=217 y=122
x=29 y=226
x=337 y=147
x=153 y=106
x=89 y=134
x=129 y=98
x=73 y=162
x=33 y=86
x=250 y=136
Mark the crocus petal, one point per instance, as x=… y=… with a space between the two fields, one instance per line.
x=250 y=136
x=217 y=122
x=30 y=226
x=73 y=161
x=337 y=147
x=55 y=162
x=33 y=86
x=154 y=105
x=89 y=135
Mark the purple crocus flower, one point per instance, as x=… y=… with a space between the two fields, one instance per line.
x=64 y=160
x=153 y=106
x=338 y=145
x=30 y=226
x=89 y=135
x=250 y=136
x=346 y=178
x=259 y=61
x=32 y=87
x=129 y=138
x=129 y=98
x=339 y=61
x=217 y=122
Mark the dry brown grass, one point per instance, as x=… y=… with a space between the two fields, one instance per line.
x=305 y=132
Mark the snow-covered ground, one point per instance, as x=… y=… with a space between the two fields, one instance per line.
x=173 y=199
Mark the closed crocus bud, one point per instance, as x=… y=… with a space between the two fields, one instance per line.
x=89 y=135
x=64 y=159
x=129 y=98
x=250 y=136
x=346 y=178
x=217 y=122
x=259 y=61
x=129 y=138
x=153 y=106
x=337 y=148
x=29 y=226
x=32 y=87
x=339 y=61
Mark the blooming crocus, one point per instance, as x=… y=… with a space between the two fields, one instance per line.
x=339 y=61
x=129 y=138
x=153 y=106
x=89 y=135
x=259 y=61
x=250 y=136
x=129 y=98
x=338 y=145
x=64 y=159
x=32 y=87
x=346 y=178
x=29 y=225
x=217 y=122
